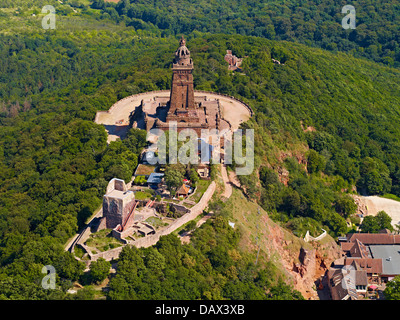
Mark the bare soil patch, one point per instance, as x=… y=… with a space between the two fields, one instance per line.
x=374 y=204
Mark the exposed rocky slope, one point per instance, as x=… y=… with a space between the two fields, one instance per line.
x=304 y=262
x=301 y=263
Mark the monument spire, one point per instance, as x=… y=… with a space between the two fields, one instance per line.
x=182 y=42
x=182 y=103
x=183 y=110
x=182 y=55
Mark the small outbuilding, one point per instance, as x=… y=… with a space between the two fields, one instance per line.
x=183 y=191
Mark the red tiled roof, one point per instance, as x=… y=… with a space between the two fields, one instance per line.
x=374 y=238
x=355 y=249
x=346 y=246
x=359 y=250
x=368 y=264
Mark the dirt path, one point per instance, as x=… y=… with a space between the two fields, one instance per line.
x=203 y=220
x=185 y=238
x=228 y=187
x=234 y=179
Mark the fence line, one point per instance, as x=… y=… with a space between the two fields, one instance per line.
x=308 y=237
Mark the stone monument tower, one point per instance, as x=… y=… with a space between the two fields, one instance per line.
x=182 y=104
x=184 y=109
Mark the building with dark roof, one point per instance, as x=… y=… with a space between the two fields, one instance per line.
x=155 y=179
x=373 y=267
x=390 y=257
x=374 y=257
x=355 y=249
x=376 y=253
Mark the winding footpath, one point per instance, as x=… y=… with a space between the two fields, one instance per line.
x=185 y=237
x=228 y=186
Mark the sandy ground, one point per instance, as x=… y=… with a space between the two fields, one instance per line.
x=391 y=207
x=232 y=110
x=116 y=120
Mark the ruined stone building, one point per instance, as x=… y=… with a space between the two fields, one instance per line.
x=234 y=62
x=118 y=204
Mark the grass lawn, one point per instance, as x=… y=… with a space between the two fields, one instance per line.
x=188 y=205
x=171 y=200
x=202 y=186
x=156 y=222
x=142 y=195
x=103 y=240
x=391 y=196
x=145 y=169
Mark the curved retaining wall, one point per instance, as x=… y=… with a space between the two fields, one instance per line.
x=167 y=91
x=308 y=237
x=230 y=97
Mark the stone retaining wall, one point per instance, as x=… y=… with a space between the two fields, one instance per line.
x=308 y=237
x=153 y=239
x=194 y=212
x=168 y=91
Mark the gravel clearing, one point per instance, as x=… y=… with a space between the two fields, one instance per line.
x=391 y=207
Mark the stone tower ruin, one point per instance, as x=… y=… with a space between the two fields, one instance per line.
x=118 y=203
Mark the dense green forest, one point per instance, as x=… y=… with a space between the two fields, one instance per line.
x=315 y=23
x=210 y=268
x=55 y=162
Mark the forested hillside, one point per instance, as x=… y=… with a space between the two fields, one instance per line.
x=55 y=162
x=315 y=23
